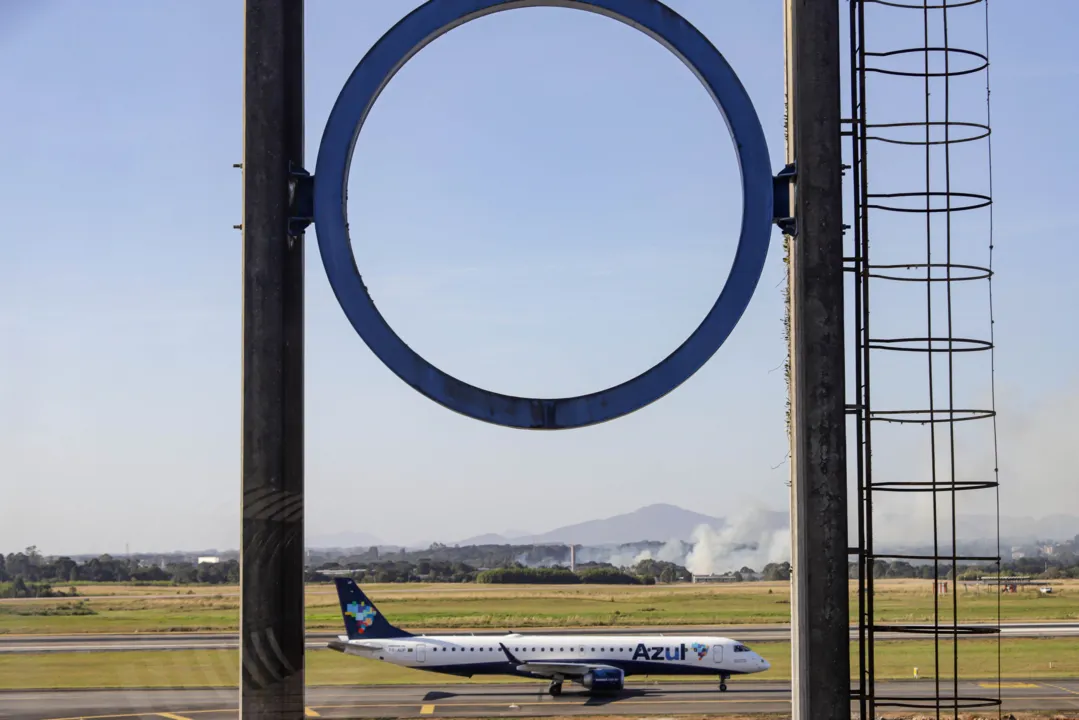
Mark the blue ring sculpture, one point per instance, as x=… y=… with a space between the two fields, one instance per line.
x=422 y=26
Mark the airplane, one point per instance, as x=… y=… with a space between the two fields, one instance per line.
x=600 y=663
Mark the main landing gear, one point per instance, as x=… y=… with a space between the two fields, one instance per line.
x=723 y=682
x=555 y=688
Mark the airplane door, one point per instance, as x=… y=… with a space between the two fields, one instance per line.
x=717 y=653
x=421 y=653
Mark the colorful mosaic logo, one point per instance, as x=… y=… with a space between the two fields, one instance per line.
x=700 y=649
x=363 y=613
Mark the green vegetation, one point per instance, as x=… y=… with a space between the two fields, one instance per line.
x=1021 y=659
x=137 y=608
x=28 y=574
x=611 y=576
x=562 y=576
x=525 y=575
x=79 y=608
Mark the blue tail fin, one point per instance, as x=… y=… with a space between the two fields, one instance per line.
x=362 y=618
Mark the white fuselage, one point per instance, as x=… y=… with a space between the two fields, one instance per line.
x=635 y=654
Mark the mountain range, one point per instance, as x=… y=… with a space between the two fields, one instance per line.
x=653 y=522
x=663 y=522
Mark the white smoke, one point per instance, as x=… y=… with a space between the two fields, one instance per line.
x=755 y=538
x=673 y=551
x=751 y=541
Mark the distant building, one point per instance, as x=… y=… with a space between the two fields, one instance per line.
x=714 y=578
x=209 y=559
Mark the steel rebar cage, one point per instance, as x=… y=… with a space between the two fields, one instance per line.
x=930 y=250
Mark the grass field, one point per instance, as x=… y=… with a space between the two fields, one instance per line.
x=1021 y=658
x=132 y=608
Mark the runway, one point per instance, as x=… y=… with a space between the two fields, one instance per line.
x=226 y=641
x=494 y=700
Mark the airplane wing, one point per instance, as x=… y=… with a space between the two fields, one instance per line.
x=570 y=670
x=551 y=669
x=343 y=647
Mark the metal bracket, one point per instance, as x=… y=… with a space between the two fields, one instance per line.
x=301 y=200
x=782 y=214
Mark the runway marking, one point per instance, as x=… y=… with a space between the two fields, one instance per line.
x=730 y=700
x=991 y=686
x=144 y=714
x=502 y=705
x=548 y=703
x=455 y=704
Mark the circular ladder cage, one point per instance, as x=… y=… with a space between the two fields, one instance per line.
x=913 y=47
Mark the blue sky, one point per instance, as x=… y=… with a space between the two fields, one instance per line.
x=542 y=202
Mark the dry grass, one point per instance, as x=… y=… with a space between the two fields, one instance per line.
x=1022 y=659
x=1042 y=715
x=140 y=608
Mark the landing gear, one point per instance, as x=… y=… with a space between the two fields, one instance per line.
x=723 y=682
x=556 y=688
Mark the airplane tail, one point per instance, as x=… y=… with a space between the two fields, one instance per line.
x=362 y=618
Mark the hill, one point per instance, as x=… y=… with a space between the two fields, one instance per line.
x=653 y=522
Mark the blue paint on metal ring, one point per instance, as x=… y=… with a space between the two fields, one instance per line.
x=378 y=66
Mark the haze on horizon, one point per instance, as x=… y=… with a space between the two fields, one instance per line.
x=543 y=202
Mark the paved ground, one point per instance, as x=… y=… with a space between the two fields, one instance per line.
x=493 y=700
x=223 y=641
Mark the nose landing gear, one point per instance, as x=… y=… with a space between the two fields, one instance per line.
x=723 y=682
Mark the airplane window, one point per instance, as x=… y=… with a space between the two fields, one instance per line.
x=410 y=649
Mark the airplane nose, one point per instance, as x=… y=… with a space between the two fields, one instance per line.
x=765 y=664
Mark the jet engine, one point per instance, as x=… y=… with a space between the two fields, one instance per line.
x=604 y=680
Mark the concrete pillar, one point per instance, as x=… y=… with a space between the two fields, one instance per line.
x=820 y=616
x=271 y=561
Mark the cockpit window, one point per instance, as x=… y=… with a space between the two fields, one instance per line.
x=741 y=648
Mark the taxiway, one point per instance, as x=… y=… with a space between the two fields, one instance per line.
x=478 y=700
x=226 y=641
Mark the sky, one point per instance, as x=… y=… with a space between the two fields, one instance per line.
x=543 y=202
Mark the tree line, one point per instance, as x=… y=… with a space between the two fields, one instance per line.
x=1066 y=565
x=29 y=574
x=646 y=572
